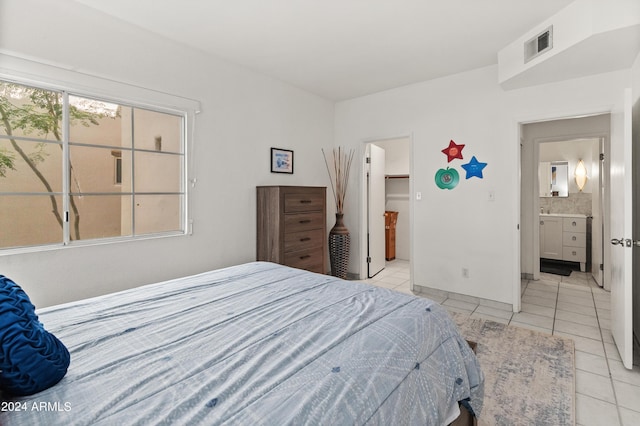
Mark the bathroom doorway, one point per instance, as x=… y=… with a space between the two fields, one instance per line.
x=561 y=198
x=566 y=141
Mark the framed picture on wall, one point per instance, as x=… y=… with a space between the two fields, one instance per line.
x=281 y=161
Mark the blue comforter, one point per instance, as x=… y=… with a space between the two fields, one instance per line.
x=254 y=344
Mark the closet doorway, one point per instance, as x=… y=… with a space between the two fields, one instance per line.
x=386 y=188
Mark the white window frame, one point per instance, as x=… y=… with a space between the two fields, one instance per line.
x=50 y=77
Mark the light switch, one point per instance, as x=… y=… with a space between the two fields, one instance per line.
x=418 y=196
x=492 y=195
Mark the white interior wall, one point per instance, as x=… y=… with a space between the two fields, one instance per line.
x=396 y=156
x=569 y=28
x=463 y=228
x=583 y=34
x=243 y=115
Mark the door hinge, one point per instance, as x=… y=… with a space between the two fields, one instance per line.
x=66 y=216
x=368 y=160
x=601 y=156
x=368 y=259
x=602 y=266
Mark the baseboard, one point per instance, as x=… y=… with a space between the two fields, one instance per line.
x=352 y=276
x=433 y=293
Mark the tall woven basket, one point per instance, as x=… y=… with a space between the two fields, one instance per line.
x=339 y=243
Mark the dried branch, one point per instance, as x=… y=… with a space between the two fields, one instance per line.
x=340 y=177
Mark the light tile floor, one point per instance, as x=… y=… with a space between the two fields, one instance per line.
x=574 y=307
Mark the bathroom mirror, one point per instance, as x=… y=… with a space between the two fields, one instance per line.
x=554 y=178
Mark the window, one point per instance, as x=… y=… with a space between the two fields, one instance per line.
x=117 y=167
x=79 y=168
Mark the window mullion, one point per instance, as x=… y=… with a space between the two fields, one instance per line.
x=66 y=170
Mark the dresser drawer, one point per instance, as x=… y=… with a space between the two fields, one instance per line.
x=574 y=224
x=574 y=254
x=574 y=239
x=309 y=259
x=304 y=202
x=302 y=240
x=303 y=221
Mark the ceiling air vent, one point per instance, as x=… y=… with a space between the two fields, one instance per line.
x=539 y=44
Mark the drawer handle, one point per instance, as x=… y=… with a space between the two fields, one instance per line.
x=574 y=253
x=306 y=221
x=305 y=239
x=305 y=201
x=574 y=223
x=574 y=238
x=306 y=256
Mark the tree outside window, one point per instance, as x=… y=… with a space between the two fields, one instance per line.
x=146 y=197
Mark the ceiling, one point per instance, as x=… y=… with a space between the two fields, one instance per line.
x=341 y=49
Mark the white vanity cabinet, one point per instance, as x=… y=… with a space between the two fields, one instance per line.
x=564 y=237
x=551 y=237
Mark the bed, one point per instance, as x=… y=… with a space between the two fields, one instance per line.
x=259 y=344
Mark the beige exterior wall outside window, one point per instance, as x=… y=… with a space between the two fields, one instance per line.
x=124 y=166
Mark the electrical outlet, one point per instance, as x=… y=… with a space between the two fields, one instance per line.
x=465 y=272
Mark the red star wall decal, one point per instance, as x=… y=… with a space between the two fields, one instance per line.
x=453 y=151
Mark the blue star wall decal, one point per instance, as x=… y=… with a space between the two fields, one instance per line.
x=474 y=168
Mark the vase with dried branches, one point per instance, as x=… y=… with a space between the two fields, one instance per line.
x=339 y=239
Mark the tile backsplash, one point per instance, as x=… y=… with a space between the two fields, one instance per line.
x=575 y=203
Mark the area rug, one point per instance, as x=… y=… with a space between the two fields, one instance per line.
x=529 y=376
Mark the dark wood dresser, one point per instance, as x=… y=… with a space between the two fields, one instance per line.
x=292 y=226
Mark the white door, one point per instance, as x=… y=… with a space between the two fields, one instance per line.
x=597 y=213
x=621 y=193
x=375 y=210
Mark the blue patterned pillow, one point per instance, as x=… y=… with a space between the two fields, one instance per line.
x=31 y=358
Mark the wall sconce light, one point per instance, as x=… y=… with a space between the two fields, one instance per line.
x=581 y=175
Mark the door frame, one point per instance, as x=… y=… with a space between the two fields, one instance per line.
x=373 y=234
x=605 y=212
x=603 y=140
x=363 y=202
